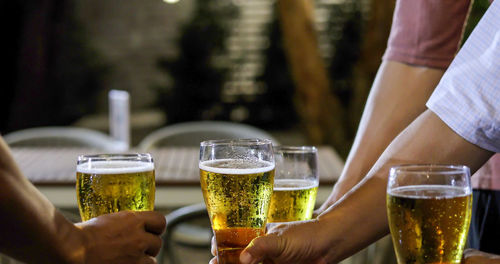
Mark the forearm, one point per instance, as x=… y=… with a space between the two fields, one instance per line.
x=361 y=212
x=397 y=97
x=355 y=221
x=33 y=230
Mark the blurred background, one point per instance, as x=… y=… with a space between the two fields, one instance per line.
x=193 y=60
x=300 y=70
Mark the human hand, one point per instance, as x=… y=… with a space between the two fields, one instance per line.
x=318 y=211
x=295 y=242
x=125 y=237
x=472 y=256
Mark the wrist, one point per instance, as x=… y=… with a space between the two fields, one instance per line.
x=73 y=245
x=329 y=239
x=346 y=222
x=339 y=189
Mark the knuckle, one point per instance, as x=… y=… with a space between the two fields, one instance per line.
x=468 y=251
x=160 y=216
x=127 y=214
x=158 y=242
x=148 y=260
x=142 y=245
x=162 y=219
x=258 y=244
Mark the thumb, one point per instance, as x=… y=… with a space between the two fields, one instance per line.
x=264 y=247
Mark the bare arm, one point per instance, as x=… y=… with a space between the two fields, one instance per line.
x=472 y=256
x=359 y=218
x=397 y=97
x=31 y=223
x=423 y=35
x=426 y=140
x=32 y=230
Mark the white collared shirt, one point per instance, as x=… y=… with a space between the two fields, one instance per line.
x=467 y=98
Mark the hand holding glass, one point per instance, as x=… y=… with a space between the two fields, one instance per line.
x=236 y=179
x=109 y=183
x=429 y=210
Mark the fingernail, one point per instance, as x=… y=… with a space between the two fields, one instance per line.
x=245 y=257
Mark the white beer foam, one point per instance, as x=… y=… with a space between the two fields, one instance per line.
x=236 y=166
x=430 y=191
x=114 y=167
x=293 y=184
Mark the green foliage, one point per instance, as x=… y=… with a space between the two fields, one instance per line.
x=477 y=11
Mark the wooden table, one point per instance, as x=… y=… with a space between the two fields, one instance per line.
x=52 y=170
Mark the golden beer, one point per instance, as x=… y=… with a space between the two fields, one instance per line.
x=429 y=224
x=292 y=200
x=112 y=186
x=237 y=193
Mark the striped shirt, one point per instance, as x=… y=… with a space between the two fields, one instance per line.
x=467 y=98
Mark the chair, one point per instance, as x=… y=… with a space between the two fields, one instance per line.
x=62 y=137
x=179 y=233
x=192 y=133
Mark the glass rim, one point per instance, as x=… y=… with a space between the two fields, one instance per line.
x=426 y=168
x=144 y=157
x=236 y=142
x=298 y=149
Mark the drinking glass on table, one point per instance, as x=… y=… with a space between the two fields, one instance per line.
x=429 y=210
x=295 y=183
x=236 y=179
x=108 y=183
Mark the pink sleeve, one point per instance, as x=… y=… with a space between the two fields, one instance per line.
x=426 y=32
x=488 y=176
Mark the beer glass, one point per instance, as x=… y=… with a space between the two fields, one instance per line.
x=108 y=183
x=429 y=210
x=295 y=183
x=236 y=179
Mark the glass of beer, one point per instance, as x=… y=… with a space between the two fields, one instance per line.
x=236 y=179
x=109 y=183
x=295 y=184
x=429 y=210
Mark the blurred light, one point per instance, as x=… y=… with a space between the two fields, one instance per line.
x=171 y=1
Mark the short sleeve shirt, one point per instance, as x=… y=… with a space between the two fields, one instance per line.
x=427 y=32
x=467 y=98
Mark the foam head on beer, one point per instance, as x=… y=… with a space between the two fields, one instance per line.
x=114 y=167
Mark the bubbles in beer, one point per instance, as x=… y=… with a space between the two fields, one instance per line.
x=112 y=186
x=429 y=223
x=292 y=200
x=237 y=193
